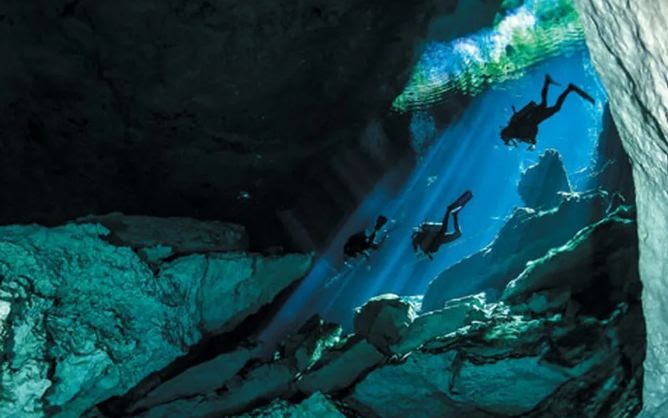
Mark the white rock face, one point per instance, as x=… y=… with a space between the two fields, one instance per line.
x=629 y=49
x=83 y=320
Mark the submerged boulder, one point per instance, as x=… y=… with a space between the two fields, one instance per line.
x=384 y=320
x=310 y=342
x=84 y=320
x=455 y=314
x=541 y=183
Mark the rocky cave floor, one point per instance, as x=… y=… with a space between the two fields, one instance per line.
x=159 y=317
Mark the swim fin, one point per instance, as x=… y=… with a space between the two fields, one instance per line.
x=458 y=204
x=582 y=93
x=550 y=80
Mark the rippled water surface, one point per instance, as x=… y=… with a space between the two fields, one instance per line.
x=522 y=37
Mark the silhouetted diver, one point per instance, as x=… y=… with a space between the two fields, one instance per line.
x=360 y=243
x=523 y=125
x=429 y=236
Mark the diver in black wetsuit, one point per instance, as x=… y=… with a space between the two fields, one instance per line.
x=360 y=243
x=523 y=125
x=429 y=236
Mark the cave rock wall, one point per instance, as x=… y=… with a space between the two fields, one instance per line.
x=628 y=47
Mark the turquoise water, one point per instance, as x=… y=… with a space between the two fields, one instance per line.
x=466 y=155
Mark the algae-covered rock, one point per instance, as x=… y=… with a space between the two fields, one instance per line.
x=541 y=183
x=84 y=320
x=317 y=405
x=383 y=320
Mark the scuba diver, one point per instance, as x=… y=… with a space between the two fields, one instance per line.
x=523 y=125
x=360 y=243
x=429 y=236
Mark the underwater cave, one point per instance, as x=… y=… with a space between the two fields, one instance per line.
x=370 y=209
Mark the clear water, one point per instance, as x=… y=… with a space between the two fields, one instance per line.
x=466 y=155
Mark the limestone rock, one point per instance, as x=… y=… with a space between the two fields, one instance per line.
x=603 y=250
x=612 y=169
x=480 y=373
x=84 y=320
x=383 y=320
x=629 y=51
x=177 y=236
x=532 y=354
x=541 y=183
x=454 y=315
x=341 y=367
x=203 y=378
x=317 y=405
x=310 y=342
x=509 y=365
x=263 y=383
x=526 y=236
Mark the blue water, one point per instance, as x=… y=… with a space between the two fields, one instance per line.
x=466 y=155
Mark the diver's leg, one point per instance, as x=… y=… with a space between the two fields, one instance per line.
x=581 y=93
x=455 y=220
x=562 y=97
x=546 y=85
x=543 y=92
x=549 y=111
x=446 y=218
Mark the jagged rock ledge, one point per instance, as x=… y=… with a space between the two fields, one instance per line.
x=83 y=320
x=565 y=339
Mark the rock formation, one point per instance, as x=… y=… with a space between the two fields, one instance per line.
x=527 y=235
x=535 y=353
x=83 y=320
x=541 y=183
x=629 y=51
x=611 y=169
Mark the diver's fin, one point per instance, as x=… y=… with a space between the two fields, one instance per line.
x=458 y=204
x=550 y=80
x=582 y=93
